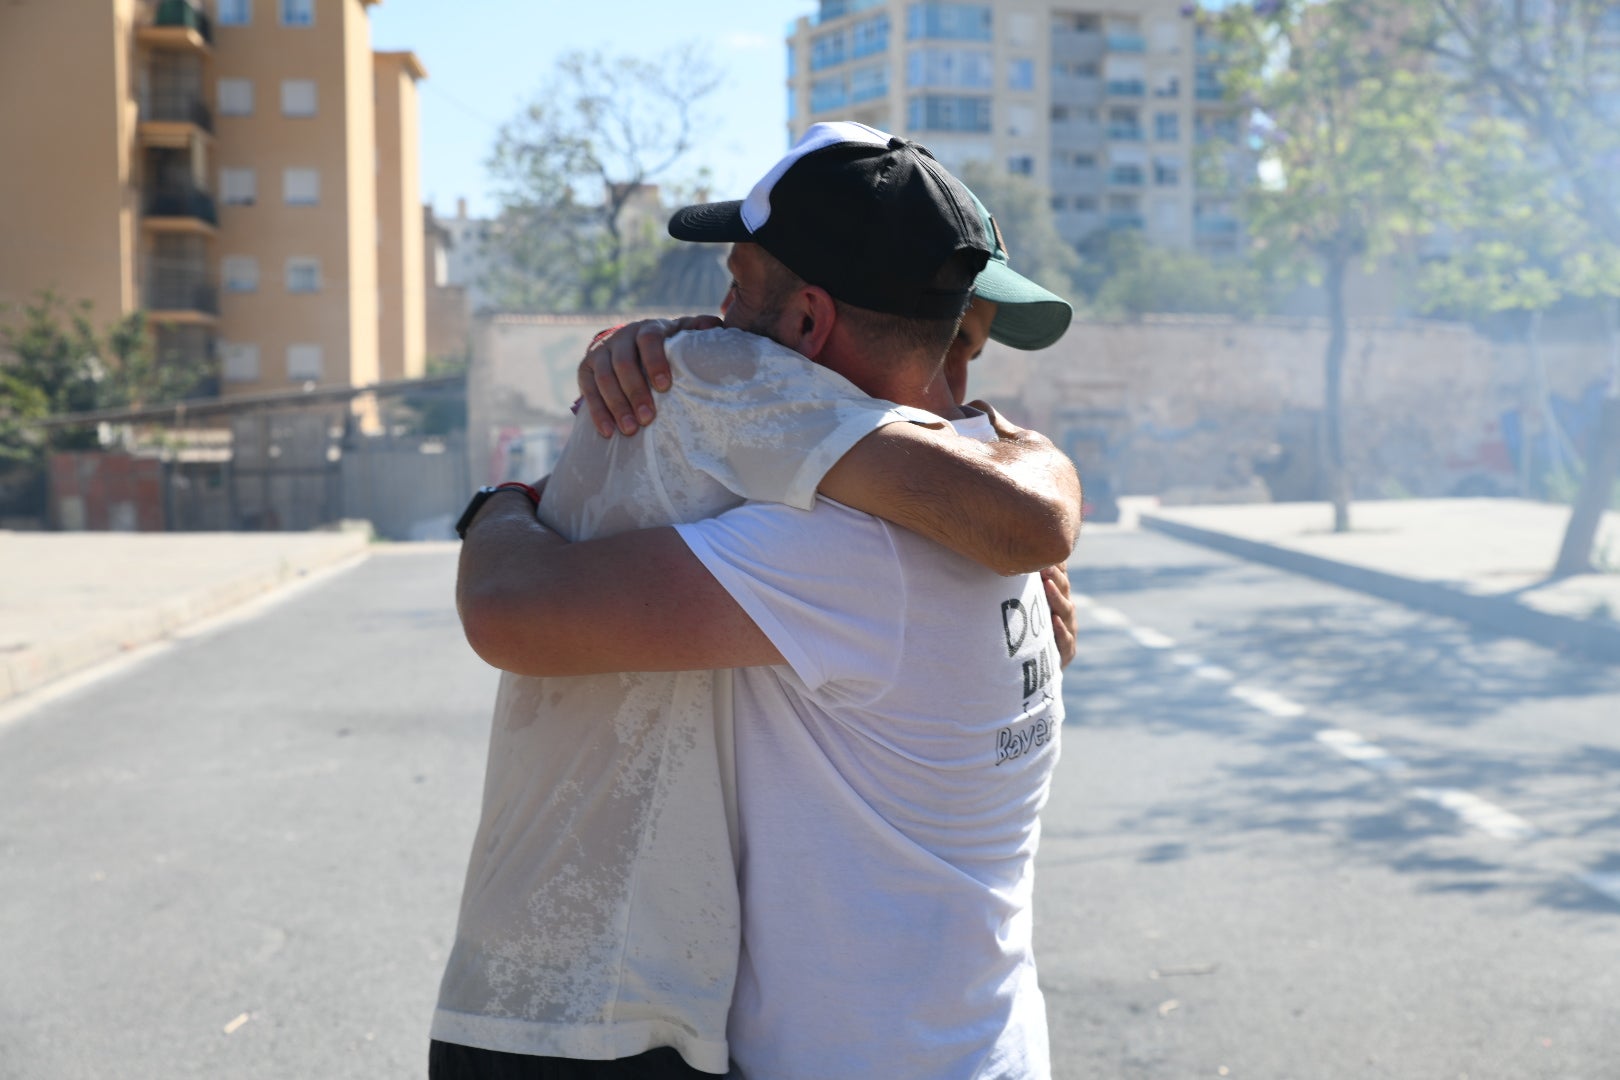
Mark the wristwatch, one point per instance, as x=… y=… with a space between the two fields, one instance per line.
x=482 y=495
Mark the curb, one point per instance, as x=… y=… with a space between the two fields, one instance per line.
x=34 y=668
x=1502 y=615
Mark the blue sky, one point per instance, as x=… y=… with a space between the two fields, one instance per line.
x=487 y=58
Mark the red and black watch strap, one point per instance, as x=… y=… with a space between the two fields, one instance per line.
x=483 y=494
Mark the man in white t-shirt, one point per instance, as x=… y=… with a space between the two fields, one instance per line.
x=599 y=922
x=898 y=722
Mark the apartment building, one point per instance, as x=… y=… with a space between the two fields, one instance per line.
x=246 y=171
x=1103 y=102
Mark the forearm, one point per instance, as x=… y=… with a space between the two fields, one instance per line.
x=1012 y=505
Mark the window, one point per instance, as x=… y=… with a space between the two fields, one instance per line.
x=1058 y=202
x=1021 y=30
x=303 y=275
x=953 y=69
x=1166 y=36
x=1020 y=120
x=1124 y=124
x=1086 y=204
x=866 y=83
x=1167 y=171
x=827 y=50
x=830 y=93
x=238 y=187
x=792 y=104
x=937 y=112
x=1166 y=85
x=869 y=36
x=301 y=187
x=298 y=97
x=1085 y=161
x=1021 y=74
x=1126 y=174
x=304 y=362
x=948 y=22
x=235 y=13
x=240 y=361
x=297 y=12
x=1207 y=83
x=240 y=273
x=1021 y=165
x=236 y=97
x=1167 y=126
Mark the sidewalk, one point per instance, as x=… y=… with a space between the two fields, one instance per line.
x=70 y=600
x=1481 y=560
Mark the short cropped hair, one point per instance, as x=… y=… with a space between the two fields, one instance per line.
x=897 y=336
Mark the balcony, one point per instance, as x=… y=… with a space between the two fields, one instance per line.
x=177 y=109
x=1117 y=222
x=1127 y=88
x=181 y=298
x=1076 y=89
x=180 y=207
x=1070 y=180
x=1126 y=176
x=177 y=24
x=1125 y=132
x=1076 y=46
x=1082 y=134
x=1122 y=42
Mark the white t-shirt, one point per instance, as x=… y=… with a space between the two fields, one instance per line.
x=600 y=917
x=889 y=781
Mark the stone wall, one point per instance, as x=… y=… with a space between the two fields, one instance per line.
x=1189 y=407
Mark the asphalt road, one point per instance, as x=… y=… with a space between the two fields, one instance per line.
x=1295 y=834
x=1300 y=834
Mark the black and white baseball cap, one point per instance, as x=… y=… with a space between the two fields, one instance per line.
x=866 y=215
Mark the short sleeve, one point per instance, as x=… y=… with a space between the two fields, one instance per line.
x=762 y=420
x=825 y=585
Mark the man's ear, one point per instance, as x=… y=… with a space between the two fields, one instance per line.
x=815 y=315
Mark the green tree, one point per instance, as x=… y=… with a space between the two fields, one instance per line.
x=1552 y=67
x=60 y=363
x=1517 y=246
x=1137 y=278
x=1023 y=213
x=1346 y=124
x=577 y=230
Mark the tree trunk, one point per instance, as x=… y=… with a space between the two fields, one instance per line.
x=1335 y=477
x=1602 y=469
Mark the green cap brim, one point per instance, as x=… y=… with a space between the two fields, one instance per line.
x=1029 y=316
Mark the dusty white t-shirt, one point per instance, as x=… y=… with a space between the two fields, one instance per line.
x=889 y=777
x=600 y=916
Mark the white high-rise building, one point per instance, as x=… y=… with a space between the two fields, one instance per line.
x=1103 y=102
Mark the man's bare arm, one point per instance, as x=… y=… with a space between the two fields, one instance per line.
x=1012 y=505
x=533 y=604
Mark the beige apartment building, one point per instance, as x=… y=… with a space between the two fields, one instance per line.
x=1103 y=102
x=246 y=171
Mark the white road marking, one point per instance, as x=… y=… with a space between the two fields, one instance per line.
x=1473 y=810
x=1362 y=752
x=1151 y=639
x=1108 y=616
x=1268 y=701
x=1214 y=673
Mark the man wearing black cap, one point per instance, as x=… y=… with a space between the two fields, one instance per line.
x=896 y=731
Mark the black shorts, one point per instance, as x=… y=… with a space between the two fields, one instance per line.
x=451 y=1061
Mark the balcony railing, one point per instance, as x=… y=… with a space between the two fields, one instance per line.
x=1125 y=132
x=166 y=293
x=1126 y=88
x=182 y=202
x=183 y=13
x=1117 y=222
x=1121 y=42
x=178 y=108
